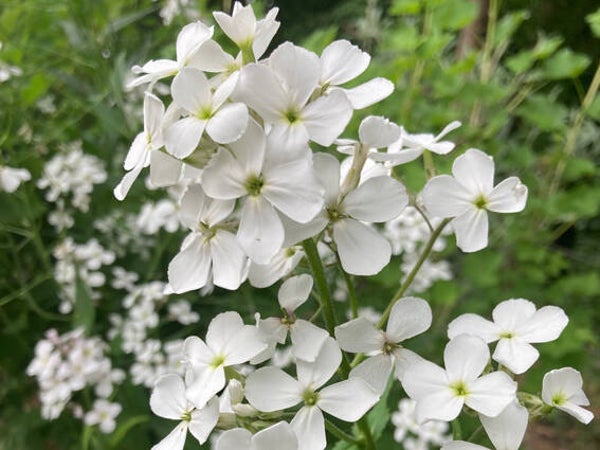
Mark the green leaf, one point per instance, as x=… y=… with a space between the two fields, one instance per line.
x=84 y=313
x=402 y=7
x=455 y=14
x=36 y=88
x=320 y=39
x=543 y=112
x=507 y=26
x=523 y=61
x=565 y=64
x=577 y=168
x=123 y=429
x=576 y=203
x=593 y=20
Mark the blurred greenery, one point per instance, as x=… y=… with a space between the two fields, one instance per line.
x=520 y=79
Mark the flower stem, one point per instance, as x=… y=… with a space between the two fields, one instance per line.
x=413 y=273
x=339 y=433
x=316 y=266
x=350 y=285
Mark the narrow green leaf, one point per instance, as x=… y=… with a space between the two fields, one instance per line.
x=84 y=313
x=123 y=429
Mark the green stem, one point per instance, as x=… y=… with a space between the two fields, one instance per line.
x=413 y=273
x=350 y=285
x=573 y=132
x=316 y=266
x=456 y=430
x=475 y=434
x=339 y=433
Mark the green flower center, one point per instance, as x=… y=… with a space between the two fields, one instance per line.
x=205 y=113
x=460 y=389
x=292 y=115
x=310 y=397
x=217 y=361
x=480 y=202
x=506 y=335
x=558 y=398
x=187 y=416
x=254 y=184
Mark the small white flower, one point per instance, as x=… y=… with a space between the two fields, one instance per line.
x=11 y=178
x=103 y=414
x=441 y=393
x=562 y=388
x=469 y=194
x=516 y=325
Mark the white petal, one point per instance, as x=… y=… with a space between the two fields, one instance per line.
x=270 y=389
x=294 y=291
x=581 y=414
x=196 y=352
x=515 y=354
x=509 y=196
x=342 y=61
x=225 y=89
x=280 y=436
x=448 y=128
x=567 y=383
x=204 y=420
x=347 y=400
x=403 y=360
x=228 y=124
x=307 y=340
x=506 y=431
x=168 y=397
x=328 y=173
x=183 y=136
x=203 y=384
x=210 y=57
x=423 y=378
x=221 y=328
x=293 y=189
x=376 y=200
x=260 y=232
x=136 y=153
x=544 y=326
x=375 y=371
x=362 y=250
x=443 y=196
x=471 y=229
x=240 y=26
x=409 y=317
x=228 y=259
x=465 y=357
x=175 y=440
x=378 y=132
x=122 y=189
x=164 y=169
x=309 y=426
x=475 y=325
x=224 y=177
x=369 y=93
x=244 y=345
x=359 y=336
x=440 y=404
x=326 y=117
x=298 y=69
x=318 y=372
x=491 y=393
x=190 y=268
x=235 y=439
x=191 y=91
x=513 y=313
x=262 y=91
x=249 y=150
x=190 y=38
x=475 y=171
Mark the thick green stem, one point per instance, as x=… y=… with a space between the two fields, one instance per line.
x=316 y=266
x=456 y=430
x=413 y=273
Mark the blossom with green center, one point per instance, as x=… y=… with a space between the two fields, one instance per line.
x=562 y=388
x=469 y=194
x=441 y=393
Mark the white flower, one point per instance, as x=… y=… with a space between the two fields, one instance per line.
x=103 y=414
x=205 y=111
x=270 y=389
x=210 y=252
x=562 y=388
x=271 y=180
x=277 y=437
x=441 y=393
x=281 y=92
x=248 y=33
x=228 y=342
x=307 y=339
x=469 y=195
x=516 y=325
x=11 y=178
x=169 y=400
x=409 y=316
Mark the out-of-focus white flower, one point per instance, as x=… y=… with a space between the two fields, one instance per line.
x=11 y=178
x=433 y=432
x=103 y=414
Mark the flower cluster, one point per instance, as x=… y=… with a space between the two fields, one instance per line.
x=68 y=363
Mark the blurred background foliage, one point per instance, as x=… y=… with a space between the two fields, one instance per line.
x=521 y=76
